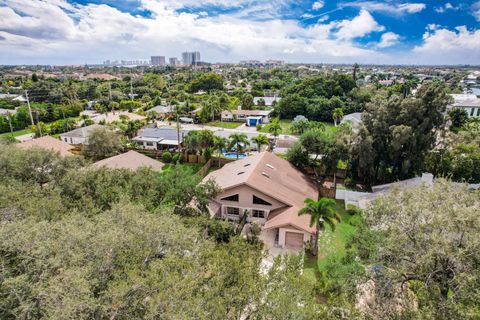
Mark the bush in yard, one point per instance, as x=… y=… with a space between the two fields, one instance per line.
x=259 y=127
x=176 y=159
x=167 y=157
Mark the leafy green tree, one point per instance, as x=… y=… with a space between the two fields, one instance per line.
x=274 y=128
x=102 y=143
x=427 y=238
x=207 y=82
x=239 y=141
x=458 y=117
x=321 y=212
x=337 y=115
x=220 y=144
x=260 y=141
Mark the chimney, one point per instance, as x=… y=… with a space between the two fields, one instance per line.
x=239 y=108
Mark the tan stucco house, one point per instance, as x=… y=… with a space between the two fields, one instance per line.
x=272 y=192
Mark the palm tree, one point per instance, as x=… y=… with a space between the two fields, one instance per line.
x=220 y=144
x=337 y=115
x=321 y=212
x=275 y=128
x=239 y=141
x=261 y=140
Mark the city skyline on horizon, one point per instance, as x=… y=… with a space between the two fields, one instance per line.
x=78 y=32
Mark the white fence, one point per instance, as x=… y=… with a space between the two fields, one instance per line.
x=350 y=197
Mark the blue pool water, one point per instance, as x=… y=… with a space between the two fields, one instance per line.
x=233 y=155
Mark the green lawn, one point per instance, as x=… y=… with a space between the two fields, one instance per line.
x=16 y=133
x=330 y=243
x=225 y=124
x=284 y=123
x=193 y=168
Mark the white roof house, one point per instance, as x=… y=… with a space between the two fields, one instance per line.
x=80 y=135
x=269 y=101
x=354 y=118
x=469 y=102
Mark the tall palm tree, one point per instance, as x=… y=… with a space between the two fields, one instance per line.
x=337 y=114
x=275 y=128
x=321 y=212
x=261 y=140
x=220 y=144
x=239 y=141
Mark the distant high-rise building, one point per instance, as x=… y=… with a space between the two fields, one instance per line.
x=173 y=61
x=191 y=58
x=157 y=60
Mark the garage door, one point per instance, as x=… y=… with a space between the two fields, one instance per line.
x=293 y=240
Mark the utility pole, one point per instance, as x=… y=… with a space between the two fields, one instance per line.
x=178 y=129
x=38 y=124
x=29 y=108
x=131 y=88
x=9 y=117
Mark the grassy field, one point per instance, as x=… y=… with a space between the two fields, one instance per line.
x=330 y=243
x=16 y=133
x=193 y=168
x=284 y=123
x=225 y=124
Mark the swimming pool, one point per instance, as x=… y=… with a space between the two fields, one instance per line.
x=233 y=155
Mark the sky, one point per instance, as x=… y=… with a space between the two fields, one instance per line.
x=297 y=31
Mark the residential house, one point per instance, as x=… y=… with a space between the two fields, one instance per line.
x=159 y=138
x=80 y=135
x=130 y=160
x=110 y=117
x=48 y=143
x=163 y=111
x=271 y=192
x=269 y=101
x=251 y=117
x=469 y=102
x=355 y=118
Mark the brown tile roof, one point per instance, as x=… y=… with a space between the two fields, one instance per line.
x=275 y=177
x=130 y=160
x=49 y=143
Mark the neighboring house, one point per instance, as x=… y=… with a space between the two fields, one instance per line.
x=48 y=143
x=354 y=118
x=163 y=111
x=272 y=192
x=159 y=138
x=80 y=135
x=269 y=101
x=363 y=199
x=251 y=117
x=130 y=160
x=4 y=112
x=469 y=102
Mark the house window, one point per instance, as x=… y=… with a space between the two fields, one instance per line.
x=66 y=140
x=233 y=211
x=472 y=112
x=478 y=112
x=234 y=197
x=150 y=144
x=258 y=213
x=257 y=200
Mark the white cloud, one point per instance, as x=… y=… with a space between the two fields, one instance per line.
x=446 y=7
x=360 y=26
x=476 y=10
x=388 y=39
x=460 y=46
x=375 y=6
x=317 y=5
x=324 y=18
x=92 y=33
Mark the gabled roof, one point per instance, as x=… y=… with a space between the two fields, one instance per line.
x=49 y=143
x=160 y=134
x=82 y=132
x=276 y=178
x=130 y=160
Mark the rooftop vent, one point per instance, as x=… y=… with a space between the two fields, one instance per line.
x=247 y=165
x=241 y=172
x=270 y=166
x=265 y=174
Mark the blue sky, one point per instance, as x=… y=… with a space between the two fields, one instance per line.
x=389 y=31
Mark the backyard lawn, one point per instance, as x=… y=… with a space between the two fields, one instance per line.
x=330 y=243
x=225 y=124
x=284 y=123
x=193 y=168
x=16 y=133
